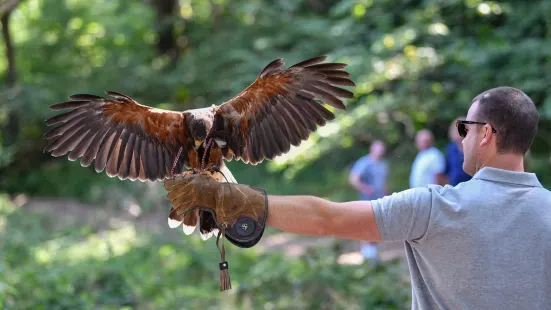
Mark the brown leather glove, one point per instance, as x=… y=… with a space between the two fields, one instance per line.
x=240 y=210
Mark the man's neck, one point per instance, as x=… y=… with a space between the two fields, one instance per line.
x=512 y=162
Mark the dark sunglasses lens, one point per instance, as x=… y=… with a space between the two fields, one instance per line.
x=461 y=130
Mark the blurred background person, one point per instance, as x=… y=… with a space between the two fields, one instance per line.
x=369 y=177
x=454 y=173
x=429 y=164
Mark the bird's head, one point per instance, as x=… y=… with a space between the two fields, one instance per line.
x=198 y=132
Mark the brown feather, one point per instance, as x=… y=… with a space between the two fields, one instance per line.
x=81 y=148
x=136 y=159
x=124 y=169
x=151 y=160
x=64 y=117
x=311 y=113
x=161 y=162
x=278 y=125
x=112 y=163
x=309 y=62
x=68 y=105
x=124 y=140
x=94 y=147
x=71 y=143
x=105 y=150
x=335 y=73
x=190 y=218
x=143 y=176
x=299 y=120
x=329 y=98
x=329 y=66
x=294 y=132
x=76 y=122
x=335 y=91
x=340 y=81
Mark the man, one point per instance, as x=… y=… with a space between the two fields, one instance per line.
x=368 y=176
x=429 y=163
x=454 y=157
x=483 y=244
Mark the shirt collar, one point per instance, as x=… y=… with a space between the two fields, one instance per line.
x=508 y=176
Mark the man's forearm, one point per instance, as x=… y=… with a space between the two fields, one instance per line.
x=314 y=216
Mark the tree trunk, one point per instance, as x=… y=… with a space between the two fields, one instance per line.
x=11 y=76
x=166 y=12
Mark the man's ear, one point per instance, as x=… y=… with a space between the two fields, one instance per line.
x=488 y=135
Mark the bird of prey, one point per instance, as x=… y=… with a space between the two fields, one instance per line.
x=132 y=141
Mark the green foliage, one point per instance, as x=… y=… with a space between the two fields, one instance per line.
x=416 y=64
x=47 y=262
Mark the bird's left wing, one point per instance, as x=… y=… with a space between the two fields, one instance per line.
x=279 y=109
x=121 y=136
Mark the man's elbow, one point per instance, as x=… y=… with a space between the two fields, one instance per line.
x=326 y=220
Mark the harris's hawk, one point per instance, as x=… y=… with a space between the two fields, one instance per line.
x=136 y=142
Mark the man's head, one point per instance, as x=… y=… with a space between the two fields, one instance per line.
x=424 y=139
x=377 y=149
x=511 y=122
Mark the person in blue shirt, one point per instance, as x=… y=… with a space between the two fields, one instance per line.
x=369 y=173
x=454 y=157
x=369 y=177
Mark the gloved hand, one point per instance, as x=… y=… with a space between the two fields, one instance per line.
x=240 y=210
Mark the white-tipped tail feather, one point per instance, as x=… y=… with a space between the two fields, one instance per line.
x=188 y=230
x=173 y=223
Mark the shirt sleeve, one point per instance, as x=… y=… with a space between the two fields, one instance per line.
x=404 y=215
x=359 y=166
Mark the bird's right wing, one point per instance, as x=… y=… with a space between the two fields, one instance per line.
x=121 y=136
x=280 y=108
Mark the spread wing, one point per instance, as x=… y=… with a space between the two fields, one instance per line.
x=280 y=109
x=121 y=136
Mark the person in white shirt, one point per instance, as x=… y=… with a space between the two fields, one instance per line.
x=429 y=164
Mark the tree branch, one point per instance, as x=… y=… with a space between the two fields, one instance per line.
x=8 y=6
x=11 y=76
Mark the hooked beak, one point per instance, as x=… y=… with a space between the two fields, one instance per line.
x=198 y=143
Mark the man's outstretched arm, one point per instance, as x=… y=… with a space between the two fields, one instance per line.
x=401 y=216
x=314 y=216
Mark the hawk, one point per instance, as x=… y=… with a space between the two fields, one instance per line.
x=132 y=141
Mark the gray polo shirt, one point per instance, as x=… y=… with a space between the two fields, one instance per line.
x=483 y=244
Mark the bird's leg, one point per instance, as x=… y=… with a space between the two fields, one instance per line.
x=213 y=168
x=191 y=171
x=216 y=168
x=214 y=172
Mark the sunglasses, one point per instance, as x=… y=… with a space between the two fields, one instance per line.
x=462 y=130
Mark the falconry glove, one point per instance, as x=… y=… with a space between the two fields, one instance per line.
x=240 y=210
